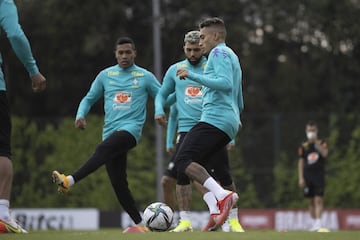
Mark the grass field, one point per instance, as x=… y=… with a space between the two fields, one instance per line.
x=112 y=234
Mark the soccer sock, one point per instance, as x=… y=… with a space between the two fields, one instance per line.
x=211 y=202
x=185 y=215
x=312 y=222
x=233 y=214
x=71 y=180
x=215 y=188
x=317 y=222
x=4 y=209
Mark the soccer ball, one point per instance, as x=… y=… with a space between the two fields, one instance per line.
x=158 y=217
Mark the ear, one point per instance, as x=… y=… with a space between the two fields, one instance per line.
x=216 y=36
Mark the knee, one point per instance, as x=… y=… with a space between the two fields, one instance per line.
x=183 y=179
x=167 y=182
x=318 y=200
x=6 y=168
x=181 y=166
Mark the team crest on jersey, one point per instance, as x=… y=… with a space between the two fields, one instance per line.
x=312 y=158
x=193 y=91
x=135 y=83
x=122 y=97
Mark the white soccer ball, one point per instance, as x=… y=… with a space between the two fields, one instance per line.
x=158 y=217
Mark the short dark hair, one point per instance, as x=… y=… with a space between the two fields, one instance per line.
x=216 y=22
x=124 y=40
x=311 y=123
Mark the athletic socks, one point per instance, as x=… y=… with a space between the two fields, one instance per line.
x=4 y=209
x=211 y=202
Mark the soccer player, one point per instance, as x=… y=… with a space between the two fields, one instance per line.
x=311 y=172
x=218 y=169
x=10 y=24
x=189 y=100
x=125 y=88
x=220 y=118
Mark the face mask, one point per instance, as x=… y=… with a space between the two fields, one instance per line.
x=310 y=135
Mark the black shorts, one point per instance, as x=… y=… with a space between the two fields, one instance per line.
x=314 y=186
x=5 y=126
x=200 y=145
x=217 y=164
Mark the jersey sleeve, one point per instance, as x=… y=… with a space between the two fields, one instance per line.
x=171 y=127
x=153 y=85
x=220 y=60
x=95 y=92
x=167 y=87
x=18 y=41
x=240 y=98
x=170 y=100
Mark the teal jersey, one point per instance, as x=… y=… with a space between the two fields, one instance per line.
x=222 y=94
x=9 y=22
x=188 y=94
x=125 y=93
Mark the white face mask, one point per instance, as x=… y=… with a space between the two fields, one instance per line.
x=310 y=135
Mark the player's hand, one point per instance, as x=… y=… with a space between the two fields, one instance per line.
x=161 y=120
x=170 y=150
x=182 y=73
x=230 y=146
x=80 y=123
x=38 y=82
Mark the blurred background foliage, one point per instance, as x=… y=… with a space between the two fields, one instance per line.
x=300 y=61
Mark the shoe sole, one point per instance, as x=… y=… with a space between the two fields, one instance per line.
x=229 y=203
x=210 y=225
x=134 y=230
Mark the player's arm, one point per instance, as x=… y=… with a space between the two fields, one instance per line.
x=167 y=87
x=171 y=128
x=153 y=85
x=95 y=92
x=240 y=97
x=301 y=168
x=321 y=147
x=221 y=81
x=20 y=44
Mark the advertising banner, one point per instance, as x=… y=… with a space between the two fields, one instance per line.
x=57 y=218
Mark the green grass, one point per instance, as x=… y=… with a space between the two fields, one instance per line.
x=112 y=234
